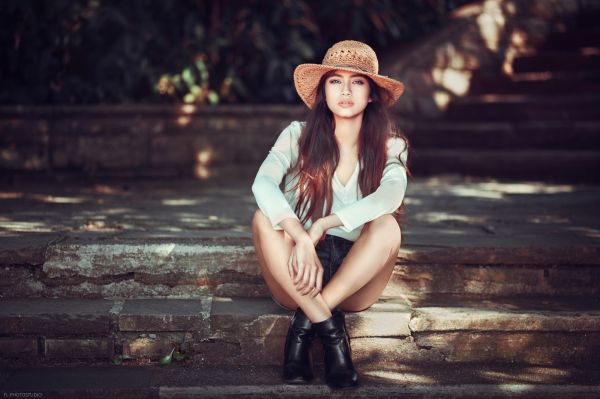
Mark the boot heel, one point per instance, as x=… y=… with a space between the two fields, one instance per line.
x=297 y=359
x=339 y=370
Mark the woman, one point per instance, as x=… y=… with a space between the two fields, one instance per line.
x=328 y=243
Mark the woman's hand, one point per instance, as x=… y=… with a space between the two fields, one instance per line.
x=305 y=268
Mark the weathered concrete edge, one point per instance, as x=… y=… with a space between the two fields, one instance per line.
x=523 y=255
x=469 y=390
x=452 y=319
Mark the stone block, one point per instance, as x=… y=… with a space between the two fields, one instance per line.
x=82 y=348
x=99 y=151
x=12 y=275
x=195 y=259
x=54 y=316
x=261 y=317
x=490 y=280
x=391 y=353
x=113 y=289
x=368 y=353
x=153 y=346
x=17 y=251
x=244 y=351
x=165 y=315
x=453 y=251
x=247 y=317
x=19 y=282
x=172 y=150
x=505 y=317
x=540 y=348
x=253 y=289
x=18 y=347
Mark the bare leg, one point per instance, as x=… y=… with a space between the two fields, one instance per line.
x=367 y=268
x=273 y=249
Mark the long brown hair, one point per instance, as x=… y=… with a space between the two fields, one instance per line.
x=319 y=154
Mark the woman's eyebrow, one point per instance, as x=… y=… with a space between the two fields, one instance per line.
x=356 y=75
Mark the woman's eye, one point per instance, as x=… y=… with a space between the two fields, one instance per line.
x=334 y=81
x=359 y=82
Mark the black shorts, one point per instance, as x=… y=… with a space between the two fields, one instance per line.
x=331 y=251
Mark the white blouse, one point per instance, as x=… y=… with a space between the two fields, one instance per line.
x=348 y=203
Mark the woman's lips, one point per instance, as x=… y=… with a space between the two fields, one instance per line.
x=345 y=104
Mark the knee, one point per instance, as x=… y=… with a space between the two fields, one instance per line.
x=385 y=229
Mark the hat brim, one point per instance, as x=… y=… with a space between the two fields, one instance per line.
x=307 y=77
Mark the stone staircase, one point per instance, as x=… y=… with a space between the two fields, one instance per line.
x=496 y=293
x=523 y=122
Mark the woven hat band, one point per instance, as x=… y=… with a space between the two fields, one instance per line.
x=352 y=67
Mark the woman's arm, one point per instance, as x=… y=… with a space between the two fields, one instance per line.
x=265 y=188
x=304 y=266
x=389 y=195
x=320 y=227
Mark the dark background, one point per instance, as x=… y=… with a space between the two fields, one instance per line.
x=188 y=51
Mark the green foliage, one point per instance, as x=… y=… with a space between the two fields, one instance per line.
x=206 y=52
x=177 y=355
x=167 y=359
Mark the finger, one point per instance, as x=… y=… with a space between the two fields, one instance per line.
x=319 y=282
x=299 y=272
x=302 y=278
x=305 y=277
x=290 y=267
x=295 y=264
x=307 y=287
x=311 y=281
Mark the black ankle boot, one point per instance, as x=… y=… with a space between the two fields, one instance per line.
x=339 y=370
x=297 y=362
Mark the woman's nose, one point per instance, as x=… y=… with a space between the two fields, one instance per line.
x=346 y=89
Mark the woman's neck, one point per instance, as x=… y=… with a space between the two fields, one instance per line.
x=347 y=130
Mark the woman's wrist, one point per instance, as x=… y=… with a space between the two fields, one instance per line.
x=329 y=222
x=294 y=229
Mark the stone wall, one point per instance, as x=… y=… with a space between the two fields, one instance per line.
x=138 y=140
x=480 y=38
x=175 y=140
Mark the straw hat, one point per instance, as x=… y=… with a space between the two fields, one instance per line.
x=347 y=55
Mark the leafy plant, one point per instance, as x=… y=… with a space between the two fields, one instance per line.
x=168 y=358
x=177 y=355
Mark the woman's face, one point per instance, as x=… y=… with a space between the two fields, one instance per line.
x=347 y=93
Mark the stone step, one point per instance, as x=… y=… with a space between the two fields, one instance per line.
x=192 y=267
x=263 y=382
x=539 y=135
x=537 y=83
x=244 y=331
x=415 y=381
x=500 y=108
x=585 y=36
x=584 y=59
x=580 y=166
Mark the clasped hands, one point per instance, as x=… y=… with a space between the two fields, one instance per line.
x=304 y=265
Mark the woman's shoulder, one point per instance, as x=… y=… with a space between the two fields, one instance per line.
x=293 y=130
x=287 y=141
x=296 y=127
x=396 y=145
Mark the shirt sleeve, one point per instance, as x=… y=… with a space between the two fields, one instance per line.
x=281 y=157
x=388 y=196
